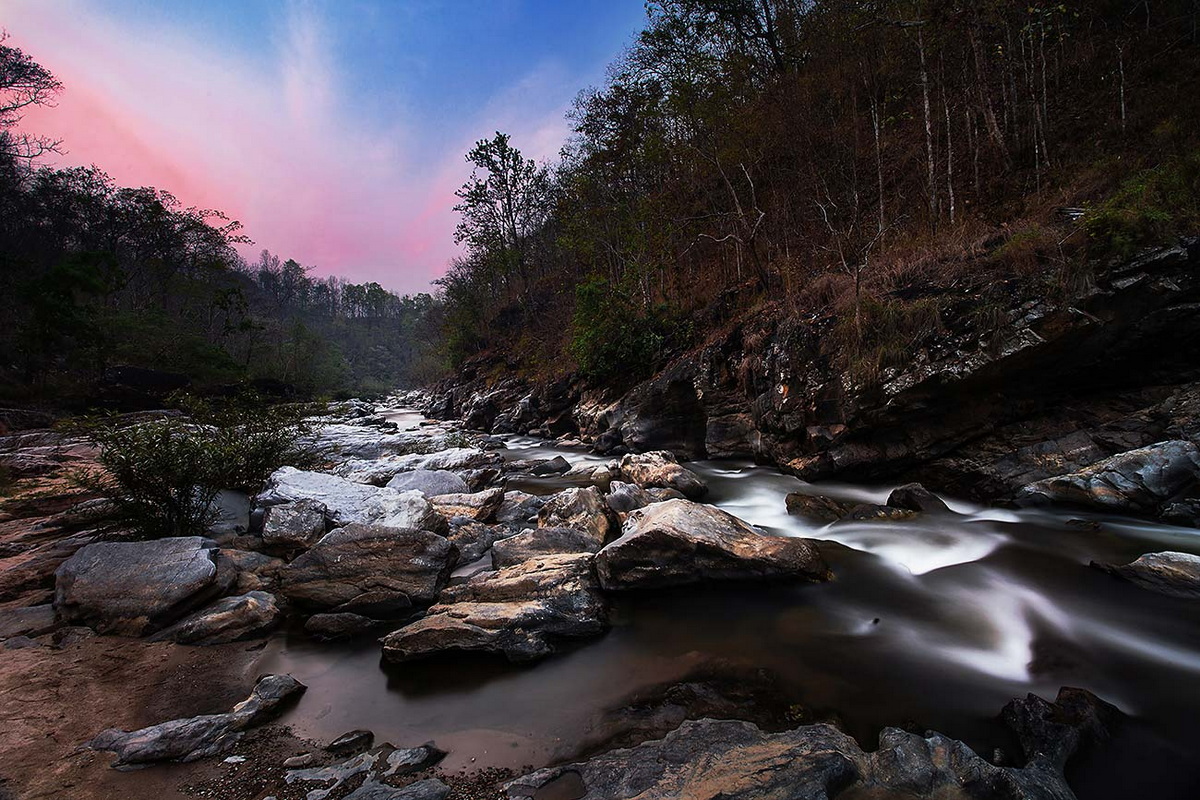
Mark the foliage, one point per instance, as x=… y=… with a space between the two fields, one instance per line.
x=1150 y=207
x=610 y=340
x=163 y=474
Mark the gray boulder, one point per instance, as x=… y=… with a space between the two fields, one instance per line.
x=679 y=542
x=1134 y=482
x=229 y=619
x=583 y=509
x=134 y=588
x=660 y=469
x=542 y=542
x=349 y=502
x=194 y=738
x=455 y=459
x=362 y=559
x=294 y=525
x=429 y=482
x=1172 y=574
x=525 y=612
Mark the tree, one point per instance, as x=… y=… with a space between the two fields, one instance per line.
x=23 y=83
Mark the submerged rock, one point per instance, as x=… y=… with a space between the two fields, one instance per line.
x=227 y=620
x=679 y=542
x=1173 y=574
x=525 y=612
x=134 y=588
x=660 y=469
x=194 y=738
x=361 y=559
x=352 y=742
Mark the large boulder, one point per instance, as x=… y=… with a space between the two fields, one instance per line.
x=455 y=459
x=199 y=737
x=429 y=482
x=229 y=619
x=478 y=507
x=660 y=469
x=349 y=502
x=542 y=542
x=679 y=542
x=1172 y=574
x=583 y=509
x=294 y=525
x=134 y=588
x=712 y=760
x=1134 y=482
x=363 y=559
x=525 y=612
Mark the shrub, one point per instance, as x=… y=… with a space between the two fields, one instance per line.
x=162 y=475
x=611 y=340
x=1148 y=208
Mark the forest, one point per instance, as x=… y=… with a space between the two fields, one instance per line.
x=828 y=159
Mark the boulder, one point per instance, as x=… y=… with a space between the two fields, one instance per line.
x=330 y=627
x=583 y=509
x=349 y=502
x=456 y=459
x=294 y=525
x=680 y=542
x=378 y=604
x=519 y=508
x=429 y=482
x=479 y=507
x=542 y=542
x=659 y=468
x=199 y=737
x=915 y=497
x=255 y=571
x=555 y=466
x=817 y=508
x=361 y=559
x=711 y=760
x=1172 y=574
x=625 y=497
x=229 y=619
x=134 y=588
x=525 y=612
x=1134 y=482
x=598 y=475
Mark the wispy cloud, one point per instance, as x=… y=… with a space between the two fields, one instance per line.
x=270 y=137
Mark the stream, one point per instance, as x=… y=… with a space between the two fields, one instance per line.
x=930 y=624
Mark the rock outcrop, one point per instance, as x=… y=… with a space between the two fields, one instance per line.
x=1172 y=574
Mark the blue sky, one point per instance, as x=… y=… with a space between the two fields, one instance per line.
x=334 y=130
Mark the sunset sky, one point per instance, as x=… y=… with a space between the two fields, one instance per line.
x=335 y=131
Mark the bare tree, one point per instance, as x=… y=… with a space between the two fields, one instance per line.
x=23 y=83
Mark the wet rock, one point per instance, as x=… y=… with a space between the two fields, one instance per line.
x=135 y=588
x=679 y=542
x=349 y=502
x=519 y=508
x=658 y=494
x=1135 y=482
x=294 y=525
x=1172 y=574
x=816 y=507
x=915 y=497
x=1185 y=513
x=480 y=506
x=29 y=621
x=352 y=742
x=710 y=760
x=625 y=497
x=542 y=542
x=229 y=619
x=525 y=612
x=331 y=627
x=583 y=509
x=361 y=559
x=659 y=468
x=194 y=738
x=429 y=482
x=870 y=512
x=555 y=466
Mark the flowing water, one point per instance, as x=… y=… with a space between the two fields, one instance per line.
x=932 y=624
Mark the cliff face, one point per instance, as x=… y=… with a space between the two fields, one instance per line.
x=982 y=406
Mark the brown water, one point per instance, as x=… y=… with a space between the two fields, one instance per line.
x=931 y=624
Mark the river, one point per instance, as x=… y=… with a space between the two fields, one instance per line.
x=931 y=624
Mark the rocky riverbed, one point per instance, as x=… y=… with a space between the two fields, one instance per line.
x=445 y=613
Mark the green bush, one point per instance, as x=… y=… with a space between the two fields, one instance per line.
x=611 y=340
x=162 y=475
x=1148 y=208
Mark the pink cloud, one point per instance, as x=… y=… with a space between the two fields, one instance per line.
x=265 y=138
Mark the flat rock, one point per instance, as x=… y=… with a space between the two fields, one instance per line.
x=479 y=506
x=384 y=761
x=429 y=482
x=351 y=742
x=583 y=509
x=679 y=542
x=194 y=738
x=542 y=542
x=349 y=502
x=525 y=612
x=361 y=559
x=135 y=588
x=295 y=525
x=1172 y=574
x=29 y=621
x=1135 y=482
x=229 y=619
x=659 y=468
x=331 y=627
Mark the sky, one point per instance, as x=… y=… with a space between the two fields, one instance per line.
x=334 y=130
